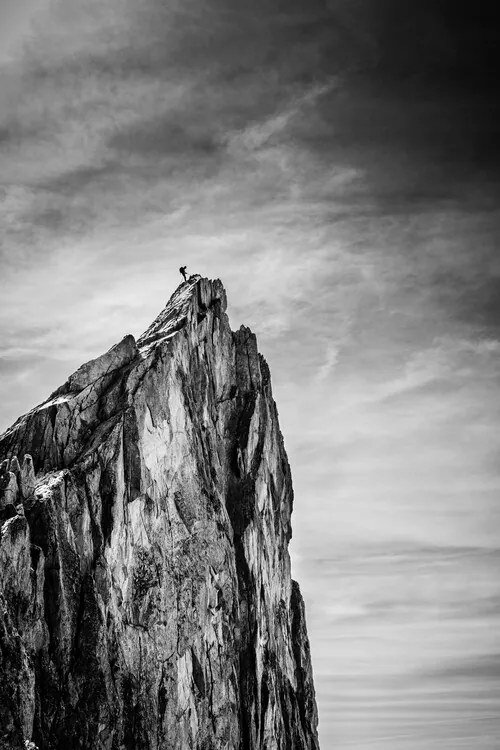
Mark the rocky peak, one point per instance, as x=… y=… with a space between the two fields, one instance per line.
x=188 y=305
x=145 y=590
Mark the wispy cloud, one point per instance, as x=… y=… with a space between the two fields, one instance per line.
x=328 y=366
x=410 y=639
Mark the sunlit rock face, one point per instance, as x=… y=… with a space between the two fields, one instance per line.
x=145 y=590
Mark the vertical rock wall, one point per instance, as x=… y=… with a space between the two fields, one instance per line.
x=145 y=591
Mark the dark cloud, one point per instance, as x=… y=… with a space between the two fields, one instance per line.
x=299 y=41
x=5 y=134
x=477 y=303
x=74 y=180
x=444 y=40
x=168 y=136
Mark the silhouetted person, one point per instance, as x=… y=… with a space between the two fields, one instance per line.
x=182 y=270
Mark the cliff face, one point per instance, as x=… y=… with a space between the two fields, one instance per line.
x=145 y=590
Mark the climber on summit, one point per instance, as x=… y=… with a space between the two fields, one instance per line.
x=182 y=270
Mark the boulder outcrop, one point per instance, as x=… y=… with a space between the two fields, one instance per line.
x=146 y=600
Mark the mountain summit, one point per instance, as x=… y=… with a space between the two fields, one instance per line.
x=146 y=601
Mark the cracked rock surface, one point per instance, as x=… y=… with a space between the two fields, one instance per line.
x=146 y=600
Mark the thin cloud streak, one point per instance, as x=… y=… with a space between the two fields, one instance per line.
x=399 y=622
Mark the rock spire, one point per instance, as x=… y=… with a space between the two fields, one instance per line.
x=146 y=601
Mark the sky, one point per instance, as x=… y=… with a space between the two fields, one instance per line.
x=336 y=164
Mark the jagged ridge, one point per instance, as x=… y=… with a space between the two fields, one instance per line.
x=145 y=590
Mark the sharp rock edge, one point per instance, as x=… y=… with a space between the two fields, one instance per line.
x=146 y=600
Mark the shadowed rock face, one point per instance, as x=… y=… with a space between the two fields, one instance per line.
x=145 y=590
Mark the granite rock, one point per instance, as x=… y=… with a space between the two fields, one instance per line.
x=146 y=600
